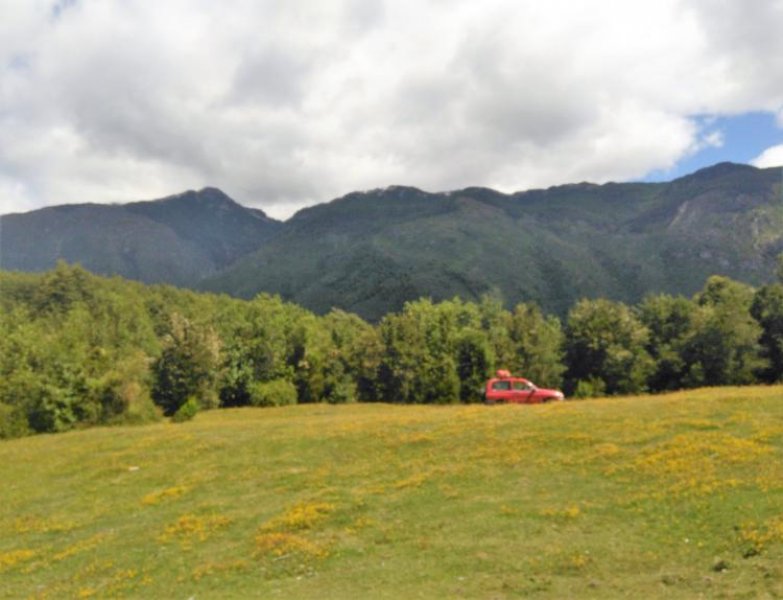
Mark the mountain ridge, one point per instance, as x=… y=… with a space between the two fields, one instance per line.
x=370 y=251
x=154 y=241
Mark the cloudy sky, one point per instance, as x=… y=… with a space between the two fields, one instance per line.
x=285 y=103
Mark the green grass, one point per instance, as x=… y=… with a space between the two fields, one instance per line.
x=675 y=496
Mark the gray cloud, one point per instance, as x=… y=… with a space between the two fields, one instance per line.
x=285 y=104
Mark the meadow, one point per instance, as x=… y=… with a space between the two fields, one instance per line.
x=677 y=495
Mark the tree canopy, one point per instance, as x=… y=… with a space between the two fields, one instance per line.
x=78 y=350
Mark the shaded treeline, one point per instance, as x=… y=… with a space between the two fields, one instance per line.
x=77 y=349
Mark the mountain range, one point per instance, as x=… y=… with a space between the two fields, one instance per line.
x=369 y=252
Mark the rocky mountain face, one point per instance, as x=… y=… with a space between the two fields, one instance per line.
x=369 y=252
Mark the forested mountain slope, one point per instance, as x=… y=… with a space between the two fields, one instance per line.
x=369 y=252
x=179 y=239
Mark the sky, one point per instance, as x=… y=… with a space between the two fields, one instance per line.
x=287 y=103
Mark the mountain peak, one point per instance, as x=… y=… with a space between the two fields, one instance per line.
x=207 y=195
x=720 y=169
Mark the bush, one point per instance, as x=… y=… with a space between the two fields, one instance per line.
x=341 y=392
x=187 y=411
x=52 y=410
x=127 y=402
x=590 y=388
x=278 y=392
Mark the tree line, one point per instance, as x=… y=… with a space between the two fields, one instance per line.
x=77 y=349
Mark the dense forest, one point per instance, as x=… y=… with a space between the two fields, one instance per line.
x=78 y=349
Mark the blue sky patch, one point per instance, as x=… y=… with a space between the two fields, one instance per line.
x=744 y=136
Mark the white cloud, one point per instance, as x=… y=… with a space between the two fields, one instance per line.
x=771 y=157
x=283 y=104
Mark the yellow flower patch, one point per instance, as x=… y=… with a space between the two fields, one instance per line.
x=189 y=528
x=80 y=546
x=569 y=512
x=304 y=515
x=413 y=481
x=281 y=543
x=14 y=557
x=760 y=536
x=693 y=463
x=163 y=495
x=289 y=534
x=605 y=450
x=579 y=560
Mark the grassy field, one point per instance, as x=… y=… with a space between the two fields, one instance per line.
x=675 y=496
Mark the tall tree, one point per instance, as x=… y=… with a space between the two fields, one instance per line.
x=419 y=363
x=767 y=309
x=671 y=322
x=474 y=364
x=538 y=345
x=187 y=366
x=724 y=349
x=606 y=348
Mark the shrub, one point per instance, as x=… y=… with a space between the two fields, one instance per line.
x=52 y=410
x=341 y=392
x=137 y=404
x=278 y=392
x=590 y=388
x=187 y=411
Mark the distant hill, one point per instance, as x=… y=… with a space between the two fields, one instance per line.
x=369 y=252
x=180 y=239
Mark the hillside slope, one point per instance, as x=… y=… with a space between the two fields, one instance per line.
x=670 y=496
x=369 y=252
x=178 y=240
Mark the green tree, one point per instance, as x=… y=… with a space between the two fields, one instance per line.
x=60 y=288
x=419 y=361
x=495 y=321
x=257 y=349
x=767 y=310
x=672 y=322
x=187 y=366
x=474 y=364
x=724 y=350
x=538 y=345
x=605 y=345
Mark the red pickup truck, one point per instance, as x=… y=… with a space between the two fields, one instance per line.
x=518 y=390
